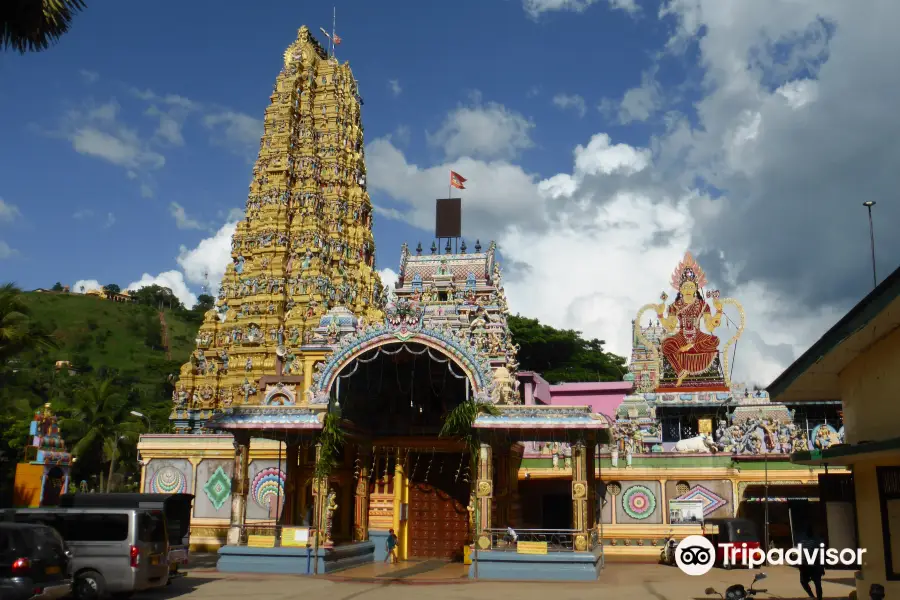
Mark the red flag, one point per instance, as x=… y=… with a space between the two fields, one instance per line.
x=337 y=40
x=457 y=180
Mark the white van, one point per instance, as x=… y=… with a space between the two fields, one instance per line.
x=114 y=550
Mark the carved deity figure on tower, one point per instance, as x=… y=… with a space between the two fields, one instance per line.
x=690 y=357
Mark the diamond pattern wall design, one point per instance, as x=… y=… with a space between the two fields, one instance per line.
x=711 y=501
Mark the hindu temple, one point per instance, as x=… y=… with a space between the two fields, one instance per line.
x=305 y=347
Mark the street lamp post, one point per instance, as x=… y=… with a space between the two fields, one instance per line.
x=869 y=204
x=143 y=416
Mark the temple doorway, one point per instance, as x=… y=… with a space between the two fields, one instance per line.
x=439 y=523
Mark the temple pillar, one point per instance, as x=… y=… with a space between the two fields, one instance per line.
x=590 y=449
x=502 y=487
x=399 y=498
x=361 y=504
x=484 y=495
x=292 y=485
x=515 y=504
x=581 y=511
x=239 y=487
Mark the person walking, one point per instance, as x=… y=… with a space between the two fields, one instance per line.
x=811 y=571
x=391 y=546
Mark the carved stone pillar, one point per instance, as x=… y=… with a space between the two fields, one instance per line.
x=581 y=511
x=361 y=505
x=239 y=487
x=484 y=492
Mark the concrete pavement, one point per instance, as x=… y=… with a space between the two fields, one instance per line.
x=386 y=582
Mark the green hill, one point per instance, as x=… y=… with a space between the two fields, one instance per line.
x=126 y=337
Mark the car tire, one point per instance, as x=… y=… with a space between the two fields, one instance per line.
x=89 y=585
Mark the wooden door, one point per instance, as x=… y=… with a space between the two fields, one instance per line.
x=438 y=523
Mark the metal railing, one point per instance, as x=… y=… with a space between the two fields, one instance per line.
x=557 y=540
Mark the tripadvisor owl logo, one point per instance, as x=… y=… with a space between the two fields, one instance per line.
x=696 y=555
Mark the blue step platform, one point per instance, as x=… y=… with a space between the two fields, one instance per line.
x=293 y=561
x=554 y=566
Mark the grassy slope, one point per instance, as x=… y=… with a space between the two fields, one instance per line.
x=80 y=324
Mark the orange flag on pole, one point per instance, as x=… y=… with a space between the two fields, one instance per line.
x=457 y=180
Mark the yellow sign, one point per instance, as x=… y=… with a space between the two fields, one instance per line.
x=704 y=426
x=295 y=537
x=260 y=541
x=531 y=547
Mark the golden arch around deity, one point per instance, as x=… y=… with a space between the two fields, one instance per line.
x=689 y=358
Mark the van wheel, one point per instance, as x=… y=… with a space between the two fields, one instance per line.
x=89 y=585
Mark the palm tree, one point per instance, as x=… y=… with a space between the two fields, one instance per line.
x=460 y=424
x=101 y=422
x=33 y=25
x=16 y=333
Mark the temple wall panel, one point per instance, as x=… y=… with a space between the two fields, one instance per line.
x=213 y=498
x=168 y=476
x=639 y=502
x=715 y=494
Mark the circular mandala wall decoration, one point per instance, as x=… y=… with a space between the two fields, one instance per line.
x=638 y=502
x=168 y=480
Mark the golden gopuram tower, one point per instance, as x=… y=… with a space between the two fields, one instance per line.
x=304 y=247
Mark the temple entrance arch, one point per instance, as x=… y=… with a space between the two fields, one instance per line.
x=399 y=389
x=394 y=398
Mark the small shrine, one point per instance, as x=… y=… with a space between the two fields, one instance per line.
x=44 y=474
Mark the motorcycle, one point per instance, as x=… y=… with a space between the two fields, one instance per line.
x=737 y=591
x=667 y=554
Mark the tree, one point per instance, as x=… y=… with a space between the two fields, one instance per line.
x=101 y=422
x=34 y=25
x=561 y=355
x=18 y=333
x=112 y=289
x=156 y=296
x=205 y=302
x=57 y=287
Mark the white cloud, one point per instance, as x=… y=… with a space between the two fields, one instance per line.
x=85 y=285
x=535 y=8
x=8 y=212
x=83 y=213
x=205 y=264
x=235 y=215
x=6 y=251
x=572 y=102
x=236 y=131
x=170 y=124
x=639 y=103
x=388 y=277
x=174 y=280
x=486 y=131
x=182 y=220
x=799 y=93
x=110 y=220
x=394 y=87
x=89 y=76
x=96 y=131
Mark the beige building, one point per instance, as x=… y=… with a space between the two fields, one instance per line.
x=858 y=362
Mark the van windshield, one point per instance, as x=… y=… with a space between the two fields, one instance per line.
x=152 y=527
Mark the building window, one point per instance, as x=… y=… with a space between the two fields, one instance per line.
x=889 y=496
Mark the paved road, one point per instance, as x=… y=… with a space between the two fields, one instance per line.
x=618 y=581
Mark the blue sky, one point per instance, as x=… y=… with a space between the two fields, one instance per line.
x=81 y=215
x=601 y=138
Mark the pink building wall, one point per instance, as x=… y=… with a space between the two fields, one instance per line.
x=602 y=396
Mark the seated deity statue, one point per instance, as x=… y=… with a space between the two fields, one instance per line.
x=690 y=351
